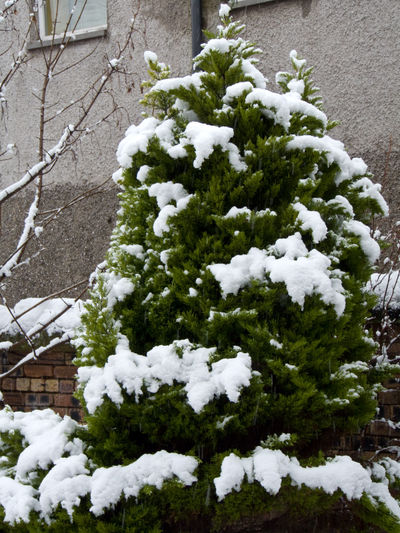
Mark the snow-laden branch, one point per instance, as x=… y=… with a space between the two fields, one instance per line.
x=34 y=354
x=52 y=155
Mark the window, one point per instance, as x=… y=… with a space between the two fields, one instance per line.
x=243 y=3
x=80 y=18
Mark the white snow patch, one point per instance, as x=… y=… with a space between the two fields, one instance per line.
x=179 y=362
x=33 y=313
x=47 y=438
x=203 y=138
x=368 y=245
x=224 y=10
x=136 y=140
x=373 y=191
x=109 y=484
x=269 y=467
x=386 y=287
x=17 y=500
x=280 y=107
x=136 y=250
x=117 y=287
x=334 y=153
x=167 y=191
x=342 y=202
x=142 y=173
x=65 y=484
x=236 y=90
x=296 y=86
x=236 y=211
x=311 y=220
x=150 y=56
x=304 y=273
x=298 y=62
x=161 y=225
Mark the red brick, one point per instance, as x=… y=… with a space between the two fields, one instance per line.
x=53 y=357
x=38 y=371
x=37 y=385
x=62 y=411
x=65 y=371
x=45 y=400
x=14 y=358
x=366 y=456
x=63 y=400
x=32 y=400
x=394 y=349
x=67 y=385
x=51 y=385
x=8 y=384
x=68 y=349
x=23 y=384
x=17 y=372
x=393 y=383
x=39 y=401
x=76 y=414
x=389 y=397
x=387 y=412
x=378 y=427
x=14 y=398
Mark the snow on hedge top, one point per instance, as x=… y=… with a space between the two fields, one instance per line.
x=303 y=272
x=179 y=362
x=269 y=467
x=46 y=435
x=69 y=477
x=51 y=447
x=281 y=107
x=334 y=152
x=202 y=137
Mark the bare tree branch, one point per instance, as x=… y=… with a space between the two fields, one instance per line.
x=75 y=119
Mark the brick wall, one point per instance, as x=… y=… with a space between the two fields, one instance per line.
x=382 y=434
x=47 y=382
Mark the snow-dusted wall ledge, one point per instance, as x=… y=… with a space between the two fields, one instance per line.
x=47 y=378
x=32 y=316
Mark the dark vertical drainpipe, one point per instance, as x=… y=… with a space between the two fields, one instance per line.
x=196 y=27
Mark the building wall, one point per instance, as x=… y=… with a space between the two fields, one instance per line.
x=41 y=384
x=73 y=245
x=354 y=46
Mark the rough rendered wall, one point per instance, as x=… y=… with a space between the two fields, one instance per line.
x=355 y=48
x=354 y=45
x=77 y=241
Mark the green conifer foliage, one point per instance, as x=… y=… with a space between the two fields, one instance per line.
x=230 y=316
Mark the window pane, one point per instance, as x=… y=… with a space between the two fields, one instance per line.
x=80 y=14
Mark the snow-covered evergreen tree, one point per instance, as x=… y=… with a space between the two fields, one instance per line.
x=224 y=343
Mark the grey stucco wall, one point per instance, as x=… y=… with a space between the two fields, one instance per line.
x=77 y=241
x=353 y=45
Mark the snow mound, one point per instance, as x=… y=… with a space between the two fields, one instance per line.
x=270 y=467
x=179 y=362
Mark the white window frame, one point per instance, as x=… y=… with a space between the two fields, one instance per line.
x=48 y=40
x=236 y=4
